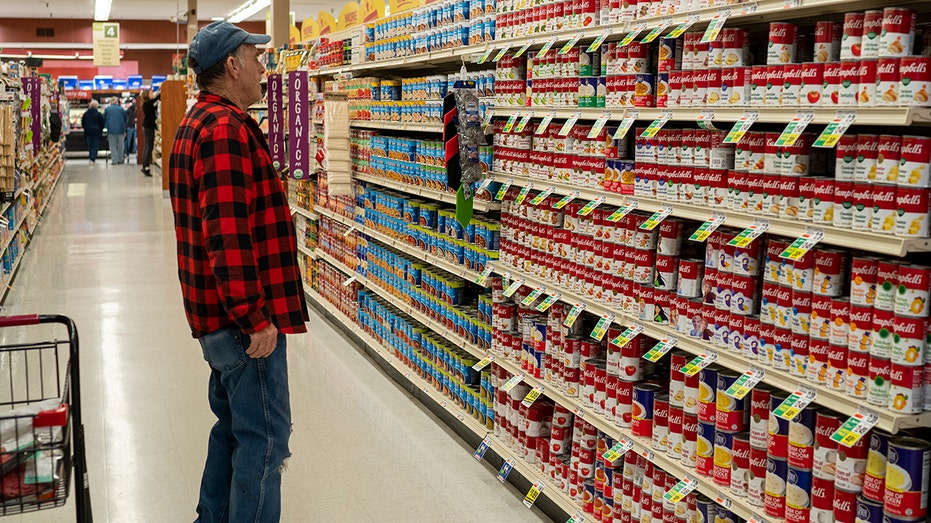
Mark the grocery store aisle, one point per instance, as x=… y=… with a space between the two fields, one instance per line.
x=363 y=449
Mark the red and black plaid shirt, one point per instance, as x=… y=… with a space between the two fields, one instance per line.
x=237 y=253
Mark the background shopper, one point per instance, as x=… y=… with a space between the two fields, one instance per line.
x=116 y=120
x=130 y=147
x=92 y=122
x=149 y=118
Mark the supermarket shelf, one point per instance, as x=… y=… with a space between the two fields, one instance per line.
x=397 y=126
x=871 y=241
x=479 y=205
x=304 y=212
x=258 y=107
x=561 y=499
x=895 y=116
x=836 y=400
x=310 y=253
x=420 y=254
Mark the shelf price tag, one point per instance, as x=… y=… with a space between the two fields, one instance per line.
x=598 y=41
x=573 y=315
x=664 y=23
x=629 y=118
x=484 y=185
x=532 y=396
x=523 y=123
x=681 y=489
x=618 y=450
x=566 y=199
x=723 y=501
x=656 y=218
x=532 y=297
x=533 y=493
x=705 y=120
x=749 y=9
x=648 y=454
x=602 y=326
x=715 y=26
x=544 y=194
x=486 y=118
x=522 y=195
x=545 y=123
x=349 y=231
x=520 y=52
x=704 y=230
x=749 y=234
x=482 y=363
x=700 y=362
x=745 y=383
x=483 y=277
x=506 y=469
x=570 y=123
x=684 y=26
x=798 y=400
x=637 y=29
x=504 y=188
x=512 y=288
x=349 y=281
x=628 y=334
x=833 y=132
x=501 y=54
x=571 y=43
x=656 y=125
x=803 y=244
x=855 y=428
x=789 y=4
x=794 y=128
x=623 y=210
x=508 y=125
x=548 y=302
x=660 y=349
x=599 y=125
x=590 y=206
x=546 y=47
x=481 y=450
x=578 y=517
x=741 y=126
x=511 y=383
x=484 y=56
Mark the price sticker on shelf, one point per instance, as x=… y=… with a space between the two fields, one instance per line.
x=741 y=126
x=570 y=44
x=723 y=501
x=629 y=118
x=519 y=128
x=592 y=47
x=700 y=362
x=623 y=210
x=715 y=26
x=789 y=4
x=648 y=454
x=349 y=231
x=590 y=206
x=664 y=23
x=483 y=277
x=704 y=230
x=522 y=195
x=532 y=297
x=635 y=30
x=573 y=315
x=570 y=123
x=532 y=396
x=795 y=403
x=749 y=234
x=705 y=120
x=602 y=326
x=745 y=383
x=659 y=350
x=833 y=132
x=855 y=428
x=656 y=218
x=512 y=288
x=579 y=412
x=545 y=123
x=506 y=469
x=618 y=450
x=749 y=8
x=548 y=302
x=803 y=244
x=564 y=201
x=509 y=124
x=627 y=335
x=511 y=383
x=481 y=450
x=578 y=517
x=520 y=52
x=794 y=128
x=544 y=194
x=482 y=363
x=533 y=493
x=484 y=56
x=599 y=125
x=504 y=188
x=684 y=26
x=501 y=54
x=656 y=125
x=681 y=489
x=546 y=47
x=349 y=281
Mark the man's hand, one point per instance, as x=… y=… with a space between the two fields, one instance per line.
x=263 y=343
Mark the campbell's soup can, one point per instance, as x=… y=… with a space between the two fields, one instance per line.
x=866 y=74
x=860 y=334
x=863 y=271
x=690 y=430
x=851 y=466
x=884 y=209
x=830 y=277
x=879 y=370
x=801 y=312
x=907 y=477
x=857 y=385
x=912 y=208
x=852 y=37
x=837 y=367
x=845 y=505
x=898 y=32
x=820 y=317
x=822 y=500
x=848 y=91
x=846 y=155
x=827 y=41
x=756 y=483
x=840 y=321
x=915 y=162
x=740 y=463
x=817 y=369
x=888 y=79
x=867 y=158
x=862 y=207
x=660 y=422
x=887 y=284
x=872 y=31
x=875 y=478
x=915 y=82
x=831 y=84
x=843 y=204
x=887 y=159
x=914 y=291
x=760 y=404
x=775 y=496
x=906 y=389
x=824 y=454
x=822 y=204
x=811 y=88
x=782 y=41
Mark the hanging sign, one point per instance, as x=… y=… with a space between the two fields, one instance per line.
x=106 y=44
x=276 y=120
x=299 y=123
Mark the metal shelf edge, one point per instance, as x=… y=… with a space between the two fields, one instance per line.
x=479 y=205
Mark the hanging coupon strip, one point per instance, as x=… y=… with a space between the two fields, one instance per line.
x=483 y=277
x=635 y=30
x=579 y=517
x=570 y=123
x=545 y=123
x=570 y=44
x=742 y=126
x=501 y=53
x=659 y=350
x=598 y=41
x=484 y=56
x=509 y=124
x=745 y=383
x=618 y=450
x=795 y=403
x=532 y=396
x=794 y=128
x=657 y=218
x=629 y=118
x=625 y=337
x=548 y=302
x=803 y=244
x=602 y=326
x=544 y=194
x=573 y=315
x=533 y=494
x=704 y=120
x=522 y=195
x=623 y=210
x=522 y=124
x=504 y=188
x=546 y=47
x=565 y=200
x=532 y=297
x=506 y=469
x=520 y=52
x=656 y=125
x=704 y=230
x=683 y=27
x=749 y=234
x=855 y=428
x=715 y=26
x=484 y=362
x=664 y=23
x=681 y=489
x=512 y=288
x=838 y=126
x=481 y=450
x=590 y=206
x=599 y=125
x=511 y=383
x=700 y=362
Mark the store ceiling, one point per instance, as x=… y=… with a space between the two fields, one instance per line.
x=153 y=9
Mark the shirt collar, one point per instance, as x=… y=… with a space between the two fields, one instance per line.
x=207 y=97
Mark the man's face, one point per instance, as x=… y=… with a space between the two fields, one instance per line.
x=251 y=73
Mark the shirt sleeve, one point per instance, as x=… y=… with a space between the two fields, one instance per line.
x=226 y=197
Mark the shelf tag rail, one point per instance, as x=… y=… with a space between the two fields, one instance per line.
x=504 y=188
x=545 y=123
x=511 y=383
x=749 y=9
x=533 y=493
x=705 y=229
x=573 y=314
x=699 y=362
x=544 y=194
x=656 y=125
x=856 y=427
x=741 y=126
x=532 y=297
x=803 y=244
x=661 y=348
x=715 y=26
x=570 y=123
x=522 y=195
x=749 y=234
x=532 y=395
x=624 y=210
x=602 y=326
x=506 y=469
x=745 y=383
x=681 y=489
x=795 y=128
x=590 y=206
x=833 y=132
x=656 y=218
x=629 y=118
x=795 y=402
x=618 y=450
x=484 y=362
x=481 y=450
x=627 y=335
x=564 y=201
x=548 y=302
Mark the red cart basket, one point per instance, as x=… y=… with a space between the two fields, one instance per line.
x=41 y=434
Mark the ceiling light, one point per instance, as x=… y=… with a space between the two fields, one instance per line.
x=217 y=19
x=246 y=10
x=102 y=10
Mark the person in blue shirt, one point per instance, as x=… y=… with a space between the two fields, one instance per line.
x=92 y=122
x=116 y=122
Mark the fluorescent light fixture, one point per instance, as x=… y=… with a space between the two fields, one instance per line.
x=102 y=10
x=246 y=10
x=217 y=19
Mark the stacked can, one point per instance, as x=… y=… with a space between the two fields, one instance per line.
x=909 y=357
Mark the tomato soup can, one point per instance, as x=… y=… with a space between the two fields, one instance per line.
x=811 y=88
x=914 y=291
x=849 y=83
x=913 y=205
x=906 y=392
x=831 y=84
x=907 y=477
x=852 y=37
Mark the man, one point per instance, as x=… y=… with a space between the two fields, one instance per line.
x=130 y=145
x=149 y=124
x=115 y=117
x=239 y=275
x=92 y=123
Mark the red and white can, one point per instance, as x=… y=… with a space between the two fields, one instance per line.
x=908 y=347
x=859 y=338
x=863 y=271
x=811 y=89
x=897 y=37
x=759 y=75
x=879 y=371
x=862 y=207
x=872 y=31
x=884 y=209
x=774 y=80
x=913 y=206
x=782 y=39
x=848 y=91
x=915 y=163
x=858 y=364
x=915 y=82
x=830 y=275
x=888 y=79
x=887 y=158
x=824 y=456
x=867 y=158
x=913 y=292
x=791 y=85
x=831 y=84
x=851 y=40
x=827 y=41
x=906 y=389
x=866 y=96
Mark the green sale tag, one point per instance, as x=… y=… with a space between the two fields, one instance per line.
x=570 y=44
x=622 y=339
x=623 y=210
x=749 y=234
x=602 y=326
x=508 y=125
x=500 y=54
x=683 y=27
x=590 y=206
x=566 y=199
x=700 y=362
x=794 y=128
x=803 y=244
x=532 y=297
x=632 y=34
x=548 y=302
x=618 y=450
x=485 y=55
x=504 y=188
x=666 y=22
x=656 y=218
x=598 y=41
x=523 y=49
x=795 y=403
x=833 y=132
x=741 y=126
x=522 y=195
x=656 y=125
x=659 y=350
x=705 y=229
x=523 y=123
x=545 y=123
x=855 y=428
x=544 y=194
x=715 y=26
x=745 y=383
x=573 y=315
x=546 y=47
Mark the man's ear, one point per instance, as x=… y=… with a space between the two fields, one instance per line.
x=232 y=66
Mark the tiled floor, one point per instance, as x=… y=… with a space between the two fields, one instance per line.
x=363 y=449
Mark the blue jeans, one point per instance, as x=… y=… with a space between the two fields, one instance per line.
x=93 y=145
x=130 y=140
x=249 y=442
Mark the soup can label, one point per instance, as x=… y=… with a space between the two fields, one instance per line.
x=915 y=162
x=811 y=87
x=848 y=91
x=874 y=481
x=820 y=317
x=860 y=337
x=824 y=456
x=914 y=291
x=857 y=374
x=782 y=38
x=851 y=40
x=913 y=206
x=830 y=86
x=827 y=41
x=887 y=285
x=866 y=96
x=756 y=484
x=883 y=330
x=845 y=504
x=867 y=157
x=907 y=471
x=872 y=31
x=851 y=466
x=915 y=83
x=798 y=487
x=775 y=497
x=887 y=81
x=822 y=496
x=887 y=159
x=829 y=277
x=906 y=391
x=898 y=32
x=909 y=341
x=884 y=209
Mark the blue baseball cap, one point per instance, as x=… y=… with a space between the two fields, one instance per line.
x=216 y=41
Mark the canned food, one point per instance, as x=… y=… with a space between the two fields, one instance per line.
x=740 y=463
x=906 y=390
x=723 y=457
x=756 y=485
x=914 y=291
x=913 y=207
x=642 y=409
x=824 y=457
x=907 y=477
x=775 y=496
x=875 y=478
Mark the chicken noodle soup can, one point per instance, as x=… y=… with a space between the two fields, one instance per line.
x=723 y=457
x=888 y=79
x=914 y=291
x=880 y=370
x=907 y=478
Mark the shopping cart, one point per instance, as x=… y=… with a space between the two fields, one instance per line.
x=41 y=435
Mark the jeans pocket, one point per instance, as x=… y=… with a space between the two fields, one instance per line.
x=225 y=349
